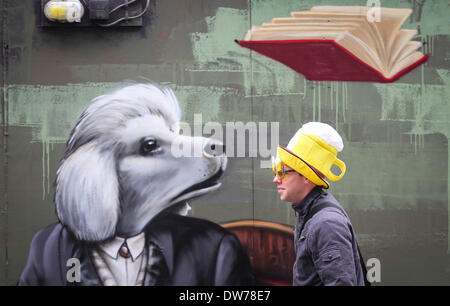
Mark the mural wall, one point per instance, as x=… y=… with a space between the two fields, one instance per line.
x=396 y=189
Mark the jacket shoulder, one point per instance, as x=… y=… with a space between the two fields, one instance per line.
x=191 y=234
x=214 y=256
x=47 y=232
x=47 y=248
x=329 y=227
x=51 y=236
x=45 y=239
x=190 y=226
x=333 y=212
x=43 y=244
x=330 y=218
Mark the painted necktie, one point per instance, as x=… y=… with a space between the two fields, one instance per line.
x=124 y=251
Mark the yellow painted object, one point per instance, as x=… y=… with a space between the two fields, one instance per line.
x=311 y=150
x=64 y=11
x=57 y=12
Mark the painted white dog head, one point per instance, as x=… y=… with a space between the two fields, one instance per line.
x=119 y=170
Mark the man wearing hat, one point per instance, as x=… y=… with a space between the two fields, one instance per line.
x=327 y=252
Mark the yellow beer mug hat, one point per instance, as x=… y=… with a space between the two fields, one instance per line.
x=314 y=148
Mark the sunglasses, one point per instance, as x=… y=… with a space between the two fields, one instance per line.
x=279 y=169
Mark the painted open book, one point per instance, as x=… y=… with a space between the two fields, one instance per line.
x=340 y=43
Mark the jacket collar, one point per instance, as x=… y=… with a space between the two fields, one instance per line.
x=135 y=244
x=158 y=241
x=163 y=240
x=303 y=206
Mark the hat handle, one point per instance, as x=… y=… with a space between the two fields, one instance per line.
x=341 y=166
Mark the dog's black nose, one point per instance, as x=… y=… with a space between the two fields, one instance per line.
x=214 y=148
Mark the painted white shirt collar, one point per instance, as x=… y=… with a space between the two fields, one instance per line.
x=135 y=244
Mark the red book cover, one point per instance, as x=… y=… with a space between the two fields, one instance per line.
x=322 y=60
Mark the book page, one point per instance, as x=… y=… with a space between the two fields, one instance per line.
x=403 y=37
x=292 y=35
x=409 y=49
x=310 y=24
x=361 y=50
x=404 y=63
x=322 y=31
x=360 y=27
x=391 y=20
x=325 y=14
x=373 y=39
x=390 y=24
x=379 y=42
x=300 y=29
x=349 y=9
x=284 y=20
x=365 y=33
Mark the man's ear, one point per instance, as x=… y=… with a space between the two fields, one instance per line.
x=306 y=181
x=87 y=193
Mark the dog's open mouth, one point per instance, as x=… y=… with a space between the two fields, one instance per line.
x=200 y=188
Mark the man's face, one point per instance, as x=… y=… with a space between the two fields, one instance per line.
x=292 y=187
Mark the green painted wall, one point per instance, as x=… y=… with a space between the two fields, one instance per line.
x=395 y=135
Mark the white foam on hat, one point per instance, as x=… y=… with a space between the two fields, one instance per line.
x=322 y=130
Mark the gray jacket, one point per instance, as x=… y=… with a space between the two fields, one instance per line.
x=326 y=251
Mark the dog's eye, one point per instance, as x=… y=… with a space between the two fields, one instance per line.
x=148 y=146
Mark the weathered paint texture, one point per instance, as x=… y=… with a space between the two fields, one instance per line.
x=396 y=136
x=424 y=106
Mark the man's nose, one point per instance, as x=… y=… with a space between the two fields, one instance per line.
x=276 y=180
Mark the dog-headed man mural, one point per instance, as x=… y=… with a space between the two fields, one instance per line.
x=120 y=196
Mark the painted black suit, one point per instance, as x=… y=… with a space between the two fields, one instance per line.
x=189 y=251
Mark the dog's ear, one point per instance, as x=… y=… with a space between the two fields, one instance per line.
x=87 y=193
